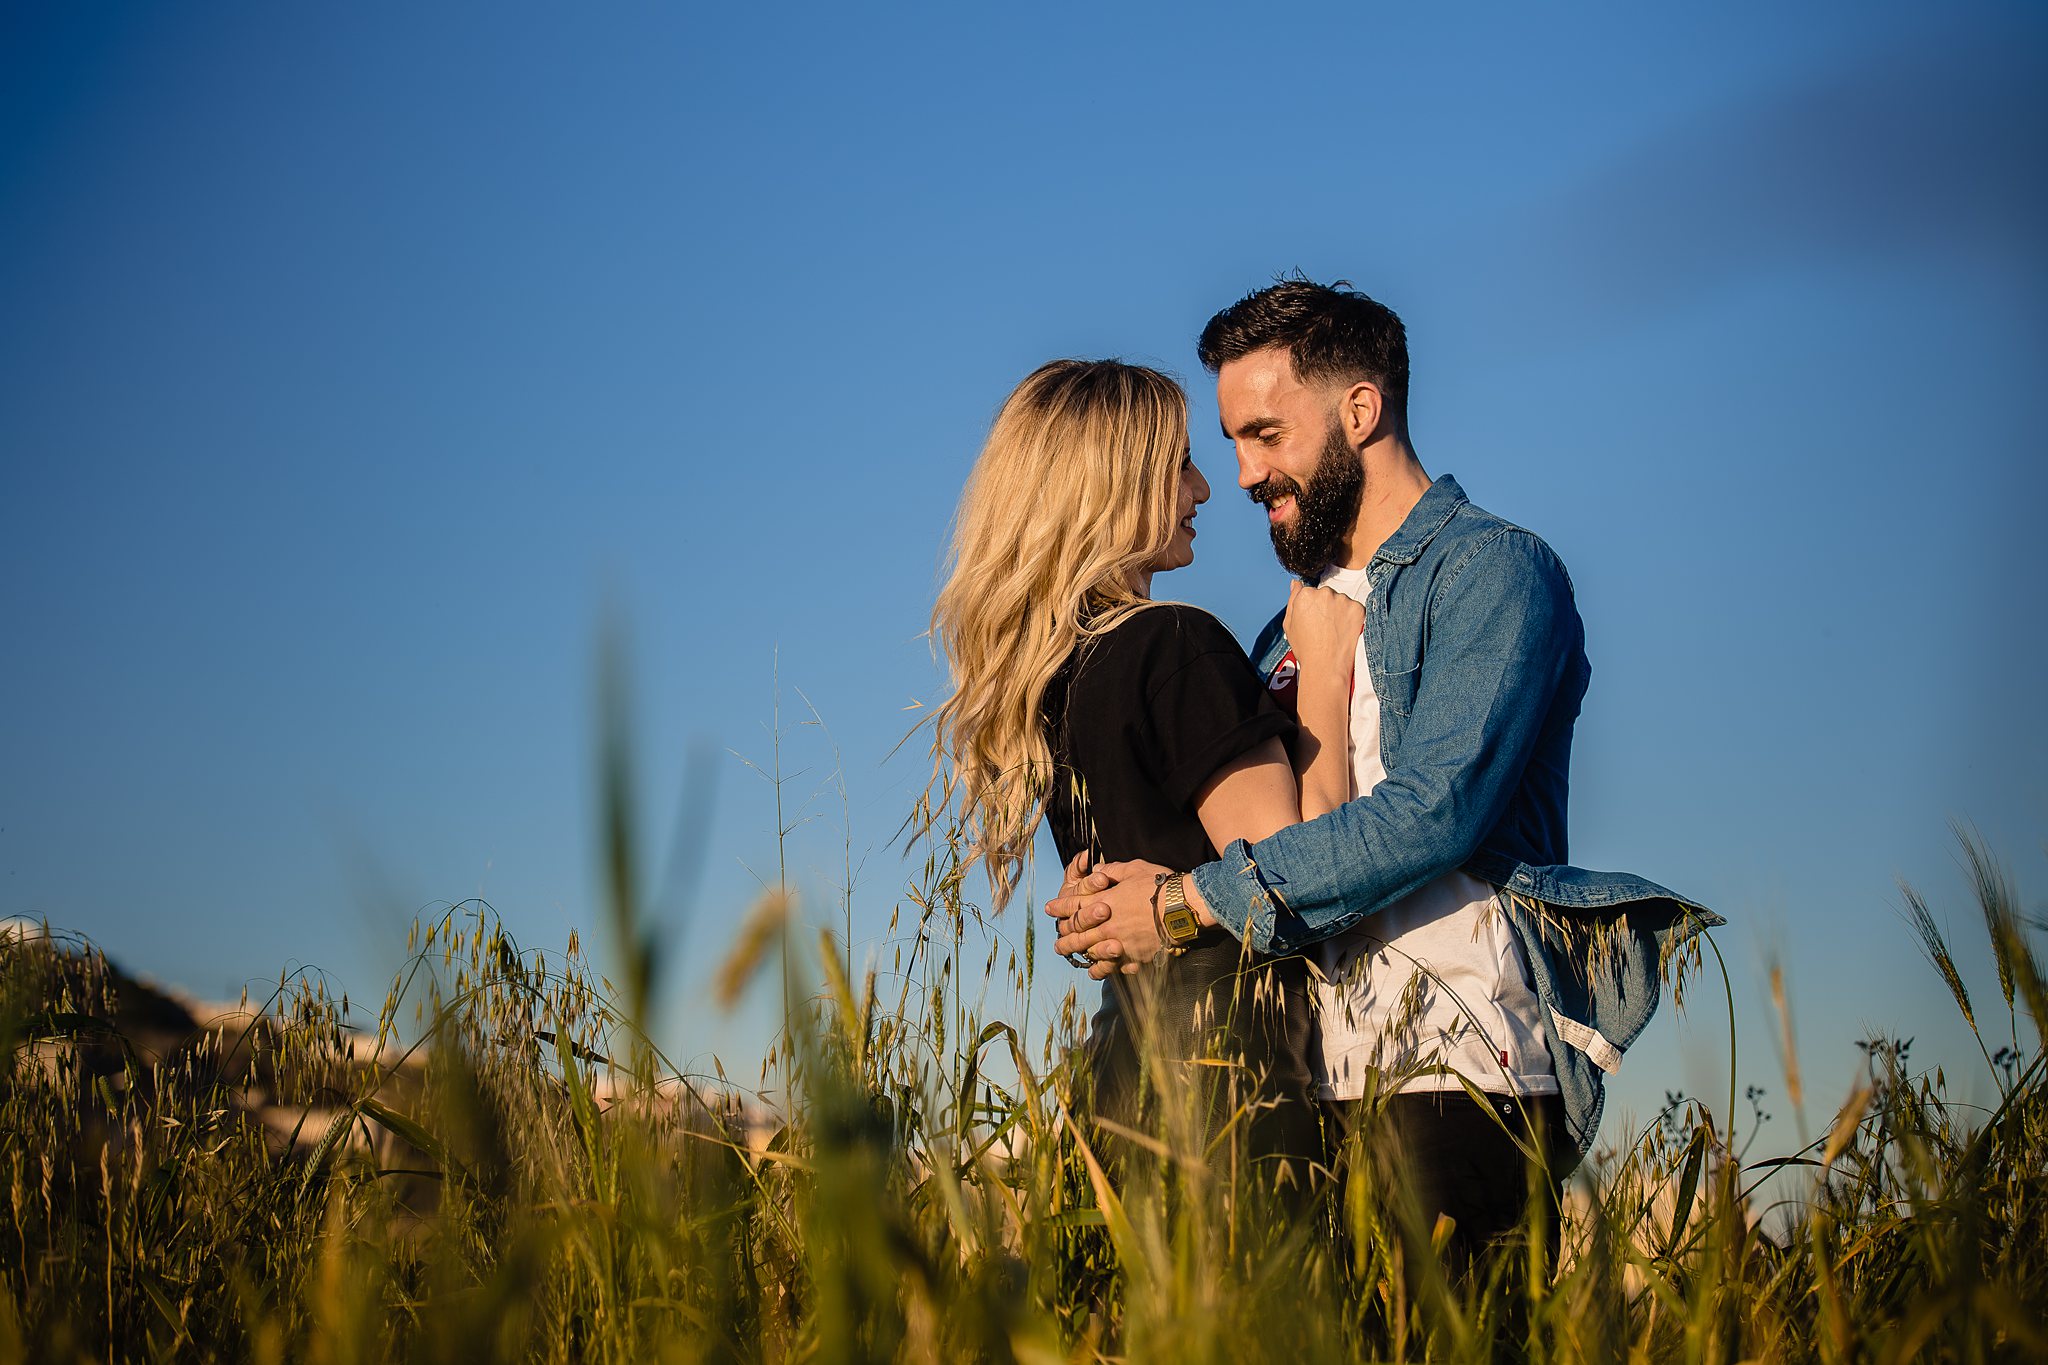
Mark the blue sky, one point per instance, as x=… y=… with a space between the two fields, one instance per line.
x=358 y=361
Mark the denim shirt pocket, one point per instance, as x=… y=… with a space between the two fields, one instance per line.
x=1398 y=658
x=1396 y=689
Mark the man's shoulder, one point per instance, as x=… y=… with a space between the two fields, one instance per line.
x=1472 y=524
x=1474 y=538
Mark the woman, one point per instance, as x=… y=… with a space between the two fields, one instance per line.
x=1136 y=728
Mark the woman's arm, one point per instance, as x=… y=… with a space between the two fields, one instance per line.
x=1249 y=797
x=1257 y=793
x=1322 y=628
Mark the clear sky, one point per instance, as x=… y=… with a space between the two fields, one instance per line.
x=354 y=360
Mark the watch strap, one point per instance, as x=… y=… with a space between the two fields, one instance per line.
x=1177 y=923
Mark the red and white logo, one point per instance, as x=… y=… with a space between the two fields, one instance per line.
x=1281 y=681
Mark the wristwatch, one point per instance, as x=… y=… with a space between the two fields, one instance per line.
x=1177 y=923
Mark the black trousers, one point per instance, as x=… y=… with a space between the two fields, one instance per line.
x=1442 y=1154
x=1150 y=1044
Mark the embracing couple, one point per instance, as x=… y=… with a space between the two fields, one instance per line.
x=1338 y=865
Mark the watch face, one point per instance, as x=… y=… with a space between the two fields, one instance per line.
x=1181 y=924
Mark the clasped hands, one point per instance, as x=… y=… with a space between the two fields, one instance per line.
x=1106 y=916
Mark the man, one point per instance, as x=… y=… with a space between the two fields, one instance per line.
x=1457 y=950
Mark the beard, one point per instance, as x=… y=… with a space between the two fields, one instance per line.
x=1324 y=511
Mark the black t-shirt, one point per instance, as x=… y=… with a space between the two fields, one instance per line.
x=1137 y=721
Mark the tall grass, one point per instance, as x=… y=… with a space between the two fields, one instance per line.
x=507 y=1168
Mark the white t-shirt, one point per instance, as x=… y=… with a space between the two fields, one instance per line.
x=1447 y=943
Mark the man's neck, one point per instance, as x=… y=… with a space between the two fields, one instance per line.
x=1394 y=483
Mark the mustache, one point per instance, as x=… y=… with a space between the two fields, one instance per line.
x=1272 y=488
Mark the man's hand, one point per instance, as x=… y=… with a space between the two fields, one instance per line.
x=1109 y=916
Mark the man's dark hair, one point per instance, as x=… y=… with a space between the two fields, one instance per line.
x=1330 y=332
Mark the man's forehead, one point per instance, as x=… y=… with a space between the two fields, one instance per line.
x=1264 y=380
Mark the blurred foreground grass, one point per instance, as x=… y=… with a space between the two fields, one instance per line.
x=508 y=1170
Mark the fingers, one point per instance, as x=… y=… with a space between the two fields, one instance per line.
x=1343 y=606
x=1082 y=941
x=1108 y=964
x=1095 y=883
x=1086 y=915
x=1085 y=918
x=1087 y=938
x=1323 y=619
x=1070 y=900
x=1090 y=915
x=1074 y=873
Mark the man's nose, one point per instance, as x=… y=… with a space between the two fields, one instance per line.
x=1251 y=470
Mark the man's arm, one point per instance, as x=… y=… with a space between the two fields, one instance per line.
x=1502 y=633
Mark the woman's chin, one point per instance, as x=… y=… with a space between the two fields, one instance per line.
x=1173 y=557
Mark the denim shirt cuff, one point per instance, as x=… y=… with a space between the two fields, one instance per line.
x=1240 y=904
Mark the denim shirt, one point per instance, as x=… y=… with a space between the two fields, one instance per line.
x=1478 y=657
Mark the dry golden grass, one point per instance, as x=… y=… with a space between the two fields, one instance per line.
x=527 y=1178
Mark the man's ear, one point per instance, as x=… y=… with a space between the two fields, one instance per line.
x=1359 y=410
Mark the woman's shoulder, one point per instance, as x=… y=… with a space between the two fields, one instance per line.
x=1175 y=622
x=1156 y=639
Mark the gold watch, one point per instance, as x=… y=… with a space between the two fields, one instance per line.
x=1177 y=923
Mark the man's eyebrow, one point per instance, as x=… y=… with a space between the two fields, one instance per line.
x=1252 y=426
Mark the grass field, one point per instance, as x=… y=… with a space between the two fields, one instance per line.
x=508 y=1170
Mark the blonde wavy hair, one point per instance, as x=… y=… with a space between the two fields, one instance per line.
x=1072 y=499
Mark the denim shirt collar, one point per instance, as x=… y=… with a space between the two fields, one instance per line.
x=1440 y=502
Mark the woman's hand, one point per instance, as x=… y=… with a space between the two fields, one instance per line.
x=1323 y=626
x=1077 y=880
x=1112 y=924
